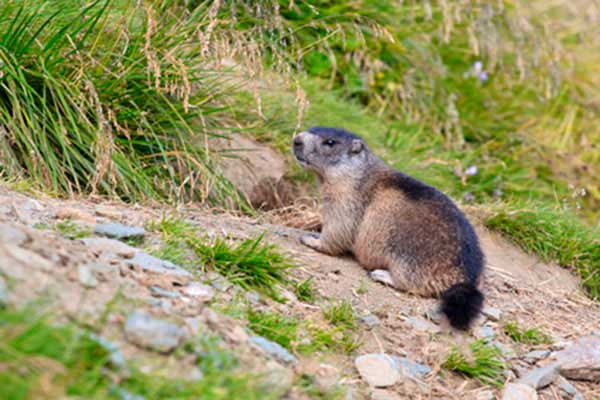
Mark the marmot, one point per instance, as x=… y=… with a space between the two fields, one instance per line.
x=408 y=234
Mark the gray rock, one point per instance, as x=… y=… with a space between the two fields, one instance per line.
x=161 y=303
x=116 y=357
x=110 y=246
x=86 y=276
x=422 y=325
x=153 y=264
x=151 y=333
x=485 y=395
x=410 y=369
x=534 y=356
x=160 y=292
x=493 y=314
x=277 y=378
x=566 y=388
x=3 y=292
x=378 y=370
x=370 y=320
x=486 y=332
x=200 y=291
x=273 y=349
x=507 y=352
x=581 y=361
x=13 y=235
x=540 y=377
x=518 y=391
x=119 y=231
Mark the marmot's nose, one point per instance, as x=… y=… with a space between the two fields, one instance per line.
x=298 y=143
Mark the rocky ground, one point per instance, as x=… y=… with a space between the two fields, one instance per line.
x=100 y=274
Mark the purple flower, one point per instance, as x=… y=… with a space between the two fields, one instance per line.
x=471 y=171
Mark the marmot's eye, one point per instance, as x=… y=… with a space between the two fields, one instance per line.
x=329 y=142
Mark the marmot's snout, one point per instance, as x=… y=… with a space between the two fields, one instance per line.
x=299 y=147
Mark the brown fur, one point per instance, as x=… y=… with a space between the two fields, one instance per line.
x=367 y=212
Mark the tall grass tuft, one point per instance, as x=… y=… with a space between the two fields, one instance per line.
x=112 y=97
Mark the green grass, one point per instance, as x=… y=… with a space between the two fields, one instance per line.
x=554 y=235
x=527 y=336
x=341 y=314
x=303 y=337
x=45 y=360
x=305 y=291
x=71 y=230
x=486 y=365
x=251 y=264
x=104 y=97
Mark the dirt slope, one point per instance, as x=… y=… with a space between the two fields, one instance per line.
x=43 y=264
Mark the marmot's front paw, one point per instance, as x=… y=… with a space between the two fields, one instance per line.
x=311 y=240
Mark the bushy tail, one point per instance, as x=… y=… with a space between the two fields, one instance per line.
x=461 y=304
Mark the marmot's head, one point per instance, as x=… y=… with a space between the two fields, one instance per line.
x=331 y=152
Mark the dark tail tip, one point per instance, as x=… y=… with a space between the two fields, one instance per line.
x=461 y=304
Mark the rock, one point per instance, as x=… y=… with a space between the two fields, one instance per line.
x=534 y=356
x=422 y=325
x=3 y=292
x=540 y=377
x=326 y=378
x=485 y=395
x=379 y=370
x=160 y=292
x=517 y=391
x=370 y=320
x=507 y=352
x=253 y=297
x=111 y=246
x=151 y=263
x=161 y=303
x=382 y=394
x=107 y=212
x=567 y=389
x=116 y=357
x=151 y=333
x=200 y=291
x=12 y=234
x=493 y=314
x=237 y=334
x=486 y=332
x=581 y=361
x=119 y=231
x=273 y=349
x=86 y=276
x=277 y=378
x=410 y=369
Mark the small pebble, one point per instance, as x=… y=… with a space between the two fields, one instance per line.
x=199 y=290
x=273 y=349
x=86 y=276
x=370 y=320
x=160 y=292
x=423 y=325
x=493 y=314
x=155 y=334
x=378 y=370
x=119 y=231
x=534 y=356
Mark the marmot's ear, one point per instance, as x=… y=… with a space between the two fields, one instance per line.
x=357 y=146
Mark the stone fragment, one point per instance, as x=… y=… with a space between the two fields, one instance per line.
x=518 y=391
x=422 y=325
x=370 y=320
x=160 y=292
x=153 y=264
x=76 y=214
x=410 y=369
x=116 y=357
x=493 y=314
x=199 y=290
x=567 y=389
x=86 y=276
x=536 y=355
x=119 y=231
x=486 y=332
x=273 y=349
x=485 y=395
x=378 y=370
x=12 y=234
x=539 y=378
x=581 y=361
x=151 y=333
x=111 y=246
x=277 y=378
